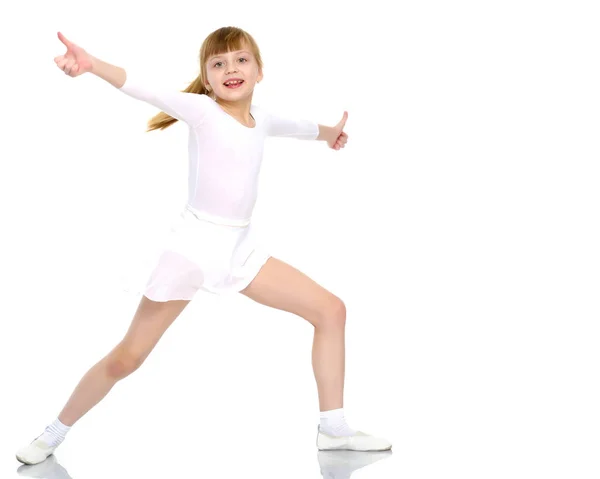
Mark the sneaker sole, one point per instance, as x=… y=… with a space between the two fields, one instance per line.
x=23 y=461
x=354 y=450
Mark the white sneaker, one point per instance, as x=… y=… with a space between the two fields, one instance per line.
x=358 y=442
x=35 y=452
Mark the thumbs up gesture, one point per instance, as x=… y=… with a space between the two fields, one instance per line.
x=75 y=61
x=339 y=137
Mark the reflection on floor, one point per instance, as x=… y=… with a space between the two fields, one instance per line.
x=332 y=464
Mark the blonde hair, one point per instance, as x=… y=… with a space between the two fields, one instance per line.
x=220 y=41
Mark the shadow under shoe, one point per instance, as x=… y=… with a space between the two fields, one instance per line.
x=341 y=464
x=359 y=441
x=47 y=469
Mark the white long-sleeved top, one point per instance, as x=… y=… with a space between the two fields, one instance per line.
x=225 y=156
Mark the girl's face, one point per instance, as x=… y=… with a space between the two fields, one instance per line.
x=232 y=75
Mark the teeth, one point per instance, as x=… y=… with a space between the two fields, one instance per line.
x=235 y=82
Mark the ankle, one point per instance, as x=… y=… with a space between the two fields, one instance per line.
x=55 y=433
x=333 y=423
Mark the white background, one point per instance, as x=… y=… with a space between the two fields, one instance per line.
x=460 y=225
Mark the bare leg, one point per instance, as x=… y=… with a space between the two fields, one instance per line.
x=281 y=286
x=149 y=323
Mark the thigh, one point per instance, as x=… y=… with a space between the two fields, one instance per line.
x=149 y=323
x=281 y=286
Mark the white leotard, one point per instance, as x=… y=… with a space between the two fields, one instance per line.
x=225 y=156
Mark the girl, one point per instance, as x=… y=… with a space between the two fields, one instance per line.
x=211 y=246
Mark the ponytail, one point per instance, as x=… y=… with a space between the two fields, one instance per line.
x=162 y=120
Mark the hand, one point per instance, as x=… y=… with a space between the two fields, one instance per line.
x=339 y=137
x=76 y=61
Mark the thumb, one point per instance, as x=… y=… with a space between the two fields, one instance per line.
x=63 y=39
x=342 y=122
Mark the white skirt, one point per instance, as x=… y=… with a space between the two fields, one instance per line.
x=199 y=254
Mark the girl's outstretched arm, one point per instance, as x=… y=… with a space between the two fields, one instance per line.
x=303 y=129
x=188 y=107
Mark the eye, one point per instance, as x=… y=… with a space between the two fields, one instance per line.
x=217 y=64
x=245 y=60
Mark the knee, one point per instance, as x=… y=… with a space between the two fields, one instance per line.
x=123 y=361
x=333 y=313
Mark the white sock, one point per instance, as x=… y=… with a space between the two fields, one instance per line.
x=55 y=433
x=334 y=423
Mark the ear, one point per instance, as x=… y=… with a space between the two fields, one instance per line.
x=260 y=76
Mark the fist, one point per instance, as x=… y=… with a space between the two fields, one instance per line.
x=340 y=137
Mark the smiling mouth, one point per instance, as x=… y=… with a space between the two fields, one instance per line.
x=233 y=83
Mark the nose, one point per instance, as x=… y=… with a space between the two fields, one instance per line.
x=231 y=70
